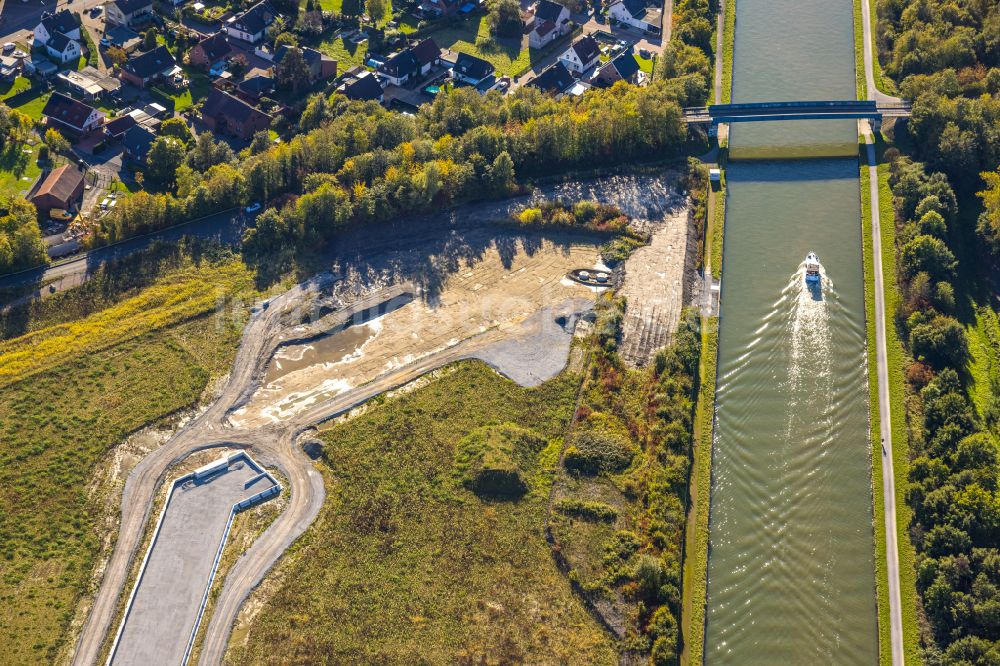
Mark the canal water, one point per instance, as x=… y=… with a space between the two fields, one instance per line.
x=791 y=563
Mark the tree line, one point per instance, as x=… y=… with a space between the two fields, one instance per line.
x=358 y=162
x=953 y=472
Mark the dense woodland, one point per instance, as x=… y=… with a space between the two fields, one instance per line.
x=945 y=56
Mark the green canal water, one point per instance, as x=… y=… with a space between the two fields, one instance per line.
x=791 y=563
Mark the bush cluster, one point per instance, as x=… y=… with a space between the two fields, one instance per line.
x=492 y=461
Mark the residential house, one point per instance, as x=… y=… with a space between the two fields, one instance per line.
x=584 y=54
x=427 y=54
x=71 y=116
x=123 y=37
x=400 y=68
x=253 y=88
x=146 y=68
x=63 y=49
x=62 y=188
x=436 y=8
x=409 y=64
x=321 y=67
x=210 y=51
x=10 y=67
x=623 y=68
x=129 y=13
x=554 y=80
x=549 y=22
x=364 y=88
x=136 y=142
x=63 y=21
x=251 y=26
x=82 y=87
x=473 y=71
x=223 y=113
x=637 y=14
x=116 y=128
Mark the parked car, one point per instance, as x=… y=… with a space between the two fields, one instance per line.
x=253 y=208
x=8 y=47
x=96 y=11
x=645 y=54
x=105 y=42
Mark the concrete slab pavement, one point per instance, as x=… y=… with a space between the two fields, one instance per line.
x=180 y=565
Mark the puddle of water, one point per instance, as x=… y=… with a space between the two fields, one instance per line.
x=328 y=350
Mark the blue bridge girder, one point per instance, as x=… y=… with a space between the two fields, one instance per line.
x=808 y=110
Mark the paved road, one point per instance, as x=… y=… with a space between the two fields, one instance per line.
x=873 y=91
x=882 y=371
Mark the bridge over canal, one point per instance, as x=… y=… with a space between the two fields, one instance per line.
x=873 y=110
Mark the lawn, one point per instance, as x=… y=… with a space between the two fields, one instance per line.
x=508 y=58
x=33 y=105
x=18 y=169
x=346 y=53
x=20 y=84
x=58 y=426
x=645 y=64
x=197 y=89
x=404 y=565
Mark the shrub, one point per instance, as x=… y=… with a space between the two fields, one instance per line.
x=596 y=511
x=530 y=216
x=491 y=460
x=593 y=452
x=941 y=342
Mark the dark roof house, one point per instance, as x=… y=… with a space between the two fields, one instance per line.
x=70 y=114
x=400 y=67
x=472 y=70
x=62 y=21
x=365 y=88
x=222 y=112
x=210 y=50
x=426 y=53
x=556 y=79
x=252 y=88
x=623 y=68
x=546 y=10
x=144 y=68
x=251 y=26
x=117 y=127
x=136 y=142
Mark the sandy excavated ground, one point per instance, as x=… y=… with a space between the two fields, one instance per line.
x=654 y=288
x=482 y=296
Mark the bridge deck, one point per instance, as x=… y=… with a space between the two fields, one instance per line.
x=806 y=110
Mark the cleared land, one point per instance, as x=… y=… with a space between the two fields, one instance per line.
x=495 y=292
x=407 y=566
x=654 y=289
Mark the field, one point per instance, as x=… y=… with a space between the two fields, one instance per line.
x=405 y=565
x=61 y=416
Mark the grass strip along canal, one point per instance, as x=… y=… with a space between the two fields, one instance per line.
x=791 y=571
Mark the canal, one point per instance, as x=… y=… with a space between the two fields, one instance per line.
x=791 y=564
